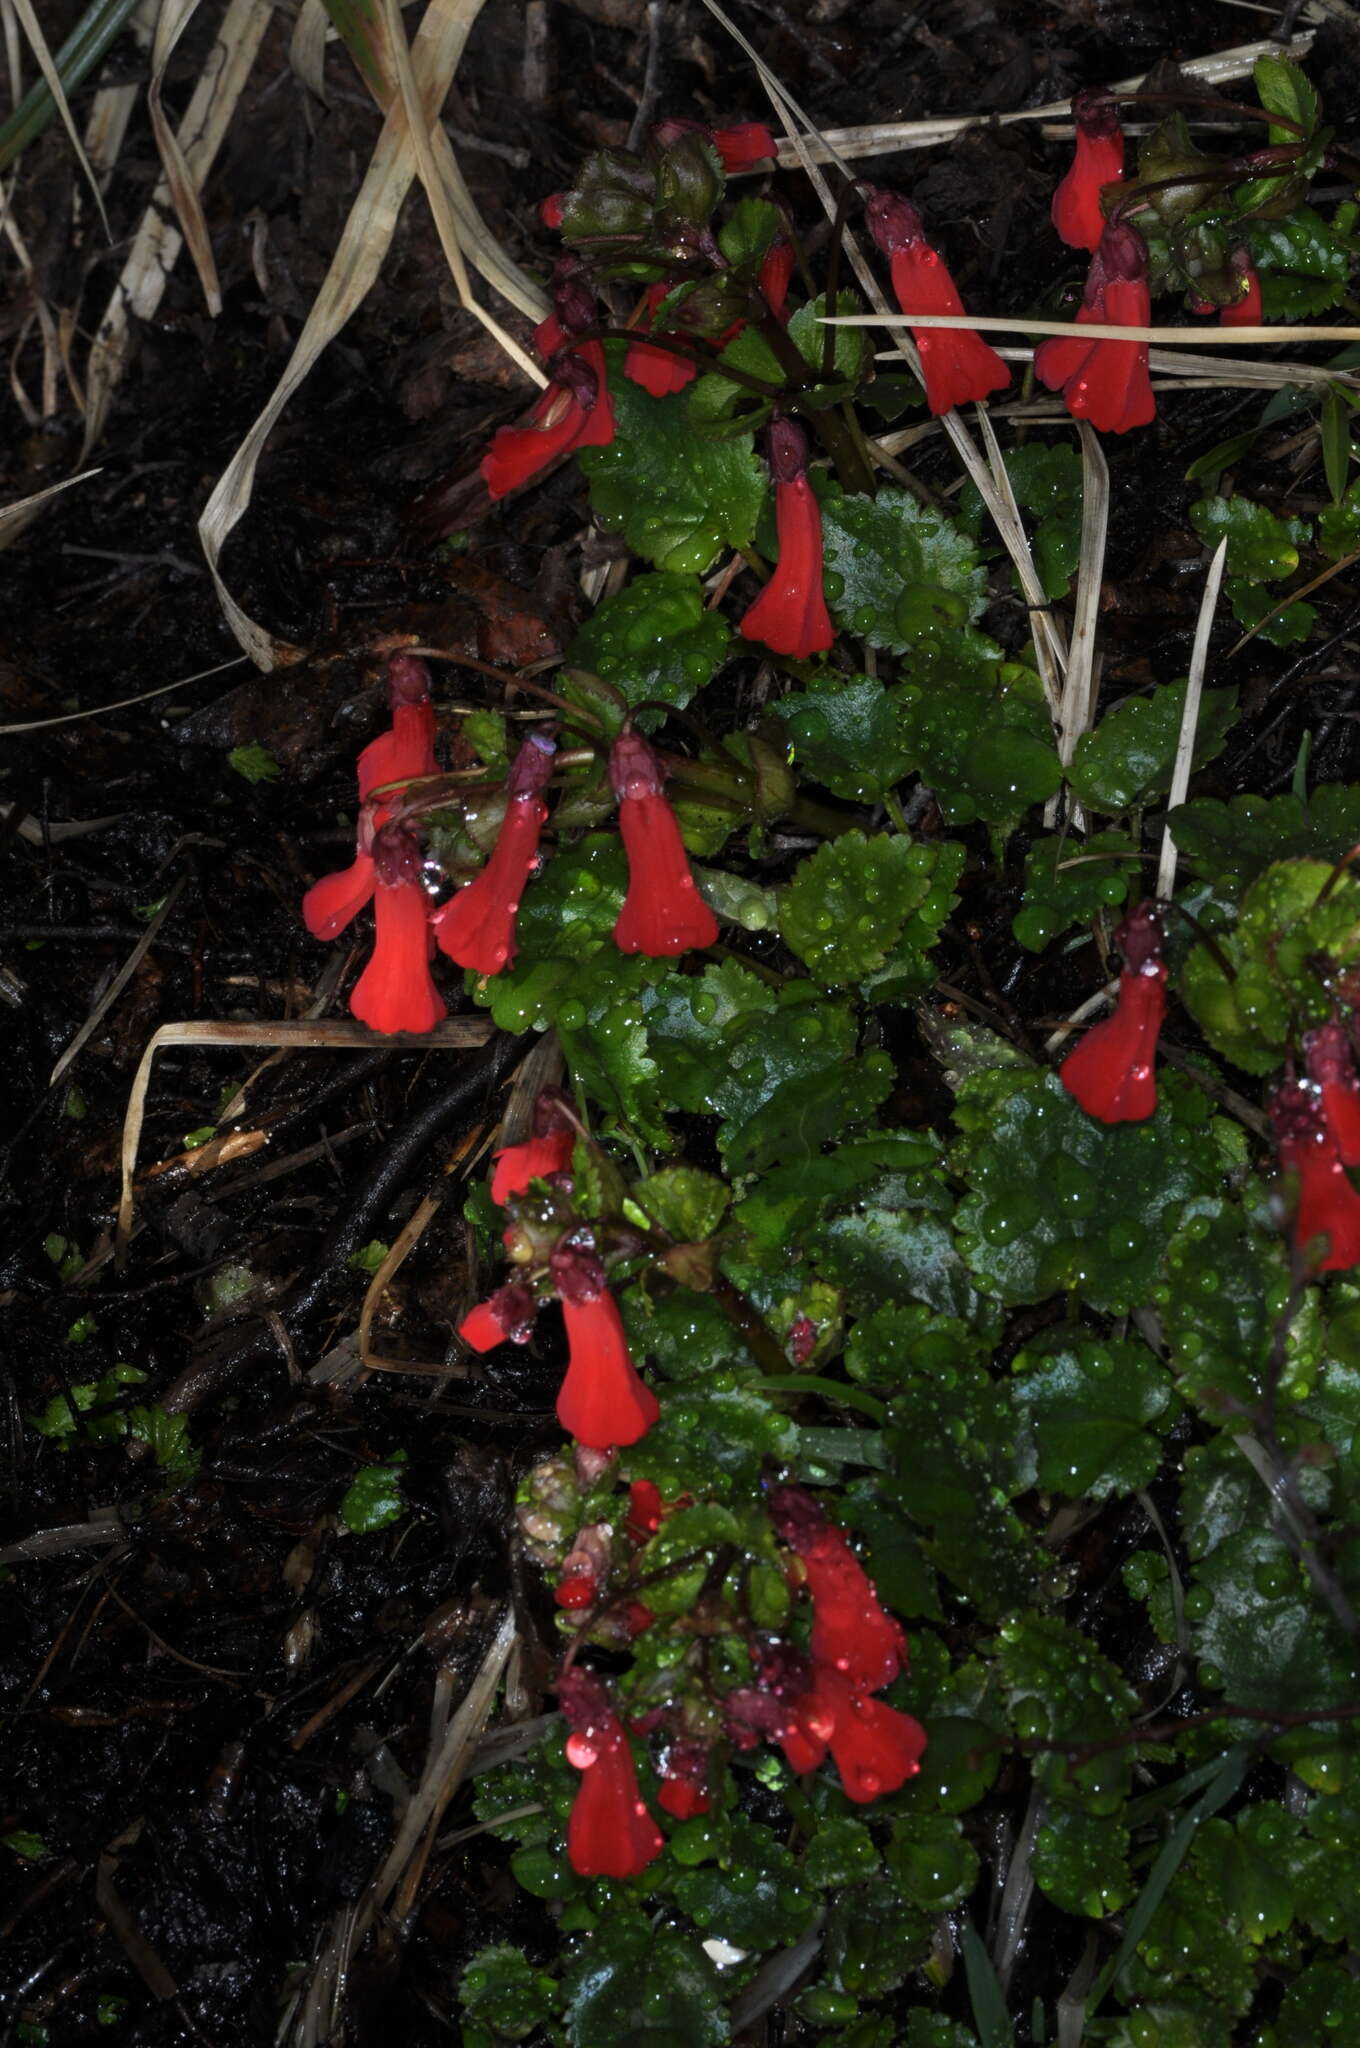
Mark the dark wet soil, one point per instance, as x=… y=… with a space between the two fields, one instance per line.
x=214 y=1695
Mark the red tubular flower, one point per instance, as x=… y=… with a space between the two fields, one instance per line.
x=401 y=754
x=603 y=1400
x=477 y=926
x=644 y=1510
x=1246 y=311
x=1106 y=382
x=1111 y=1072
x=396 y=992
x=777 y=266
x=656 y=369
x=663 y=912
x=684 y=1782
x=1329 y=1207
x=548 y=1150
x=1327 y=1055
x=750 y=143
x=506 y=1317
x=575 y=411
x=876 y=1749
x=790 y=614
x=610 y=1832
x=956 y=363
x=550 y=210
x=851 y=1631
x=1099 y=161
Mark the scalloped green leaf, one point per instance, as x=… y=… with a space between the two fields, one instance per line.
x=1060 y=1201
x=1128 y=758
x=846 y=733
x=1088 y=1406
x=687 y=1204
x=654 y=639
x=754 y=1897
x=1068 y=881
x=1232 y=843
x=677 y=499
x=847 y=904
x=1288 y=945
x=1255 y=609
x=1081 y=1860
x=638 y=1985
x=898 y=569
x=1262 y=547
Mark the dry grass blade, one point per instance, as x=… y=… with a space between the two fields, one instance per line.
x=459 y=224
x=144 y=696
x=37 y=42
x=117 y=985
x=1102 y=330
x=307 y=48
x=358 y=257
x=1078 y=699
x=1194 y=689
x=1050 y=646
x=879 y=138
x=455 y=1034
x=173 y=19
x=15 y=516
x=158 y=240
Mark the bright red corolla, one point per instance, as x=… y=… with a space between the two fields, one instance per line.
x=1111 y=1072
x=790 y=614
x=1106 y=382
x=548 y=1150
x=876 y=1748
x=663 y=912
x=505 y=1317
x=957 y=364
x=851 y=1631
x=477 y=926
x=1328 y=1208
x=396 y=991
x=603 y=1401
x=1331 y=1066
x=610 y=1832
x=1245 y=310
x=656 y=369
x=1099 y=161
x=777 y=266
x=575 y=411
x=399 y=755
x=750 y=142
x=684 y=1781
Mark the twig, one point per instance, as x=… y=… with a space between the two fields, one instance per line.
x=117 y=985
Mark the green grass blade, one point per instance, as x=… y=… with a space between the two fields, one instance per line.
x=990 y=2016
x=87 y=43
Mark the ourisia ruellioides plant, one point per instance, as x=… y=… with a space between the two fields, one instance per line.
x=851 y=1344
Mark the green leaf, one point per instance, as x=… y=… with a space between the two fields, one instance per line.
x=1335 y=425
x=1061 y=1690
x=1228 y=1277
x=847 y=904
x=169 y=1441
x=255 y=763
x=874 y=1937
x=753 y=1897
x=1283 y=88
x=881 y=1255
x=841 y=1852
x=1082 y=1861
x=713 y=1437
x=501 y=1990
x=787 y=1201
x=1250 y=605
x=678 y=499
x=1303 y=263
x=847 y=734
x=1321 y=2008
x=931 y=1861
x=687 y=1204
x=979 y=730
x=1068 y=881
x=24 y=1843
x=1288 y=946
x=1060 y=1201
x=1260 y=1635
x=638 y=1985
x=1232 y=843
x=374 y=1499
x=897 y=569
x=654 y=639
x=1261 y=547
x=1088 y=1405
x=1339 y=525
x=1129 y=757
x=368 y=1258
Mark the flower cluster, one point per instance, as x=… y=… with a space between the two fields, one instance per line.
x=811 y=1704
x=1111 y=1072
x=1317 y=1132
x=603 y=1401
x=662 y=913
